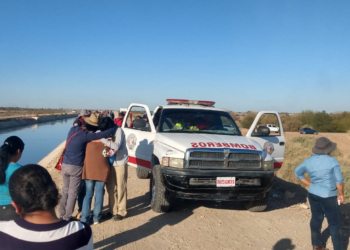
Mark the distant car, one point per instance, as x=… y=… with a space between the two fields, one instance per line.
x=308 y=131
x=273 y=128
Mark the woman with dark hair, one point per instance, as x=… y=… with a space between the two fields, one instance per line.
x=10 y=153
x=105 y=123
x=34 y=197
x=96 y=173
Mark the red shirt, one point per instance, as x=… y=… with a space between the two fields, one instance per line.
x=118 y=121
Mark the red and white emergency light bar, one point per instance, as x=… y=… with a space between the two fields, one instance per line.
x=193 y=102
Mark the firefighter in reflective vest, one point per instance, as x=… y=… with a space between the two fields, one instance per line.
x=179 y=126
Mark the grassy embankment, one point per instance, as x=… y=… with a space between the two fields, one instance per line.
x=26 y=112
x=299 y=148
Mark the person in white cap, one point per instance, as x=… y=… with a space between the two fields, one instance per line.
x=79 y=122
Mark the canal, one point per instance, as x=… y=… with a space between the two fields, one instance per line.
x=39 y=139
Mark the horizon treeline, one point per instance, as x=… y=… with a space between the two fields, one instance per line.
x=320 y=121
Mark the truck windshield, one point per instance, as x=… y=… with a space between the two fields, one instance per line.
x=197 y=121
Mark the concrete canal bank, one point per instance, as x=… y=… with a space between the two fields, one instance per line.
x=50 y=161
x=20 y=122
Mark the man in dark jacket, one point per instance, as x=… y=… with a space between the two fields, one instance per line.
x=112 y=115
x=73 y=161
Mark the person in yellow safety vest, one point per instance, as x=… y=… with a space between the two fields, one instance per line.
x=194 y=128
x=179 y=126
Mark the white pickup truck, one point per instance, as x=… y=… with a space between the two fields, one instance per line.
x=273 y=128
x=192 y=150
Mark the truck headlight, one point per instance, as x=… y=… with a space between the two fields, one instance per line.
x=173 y=162
x=267 y=165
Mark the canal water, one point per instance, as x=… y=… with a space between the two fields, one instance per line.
x=39 y=139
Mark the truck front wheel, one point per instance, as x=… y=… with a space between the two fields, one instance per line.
x=256 y=205
x=142 y=173
x=159 y=197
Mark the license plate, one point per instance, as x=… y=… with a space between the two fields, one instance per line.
x=226 y=181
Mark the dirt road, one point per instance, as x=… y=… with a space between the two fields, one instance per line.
x=206 y=225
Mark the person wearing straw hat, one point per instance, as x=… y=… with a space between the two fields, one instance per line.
x=96 y=172
x=73 y=162
x=326 y=192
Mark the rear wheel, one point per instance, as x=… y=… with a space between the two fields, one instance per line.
x=142 y=173
x=159 y=196
x=256 y=205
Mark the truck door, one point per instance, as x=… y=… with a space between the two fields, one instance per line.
x=139 y=135
x=274 y=144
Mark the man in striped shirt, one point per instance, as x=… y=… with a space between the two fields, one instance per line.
x=20 y=234
x=34 y=197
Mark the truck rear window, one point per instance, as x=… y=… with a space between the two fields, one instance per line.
x=197 y=121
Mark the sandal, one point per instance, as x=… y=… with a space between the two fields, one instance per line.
x=78 y=216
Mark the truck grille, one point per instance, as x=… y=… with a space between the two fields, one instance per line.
x=244 y=164
x=244 y=156
x=223 y=159
x=217 y=164
x=199 y=154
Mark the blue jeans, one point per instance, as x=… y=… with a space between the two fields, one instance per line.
x=81 y=195
x=321 y=207
x=98 y=187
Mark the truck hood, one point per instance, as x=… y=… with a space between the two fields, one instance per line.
x=184 y=141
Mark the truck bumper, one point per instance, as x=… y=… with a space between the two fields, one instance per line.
x=201 y=184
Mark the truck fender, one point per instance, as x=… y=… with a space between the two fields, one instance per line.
x=155 y=161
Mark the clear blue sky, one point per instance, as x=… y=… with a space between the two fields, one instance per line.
x=245 y=55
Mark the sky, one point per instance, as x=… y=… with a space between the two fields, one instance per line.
x=245 y=55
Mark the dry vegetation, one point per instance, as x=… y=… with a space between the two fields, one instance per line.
x=320 y=121
x=17 y=112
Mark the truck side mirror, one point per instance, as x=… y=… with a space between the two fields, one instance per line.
x=262 y=131
x=139 y=124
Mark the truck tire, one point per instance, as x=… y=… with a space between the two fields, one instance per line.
x=256 y=205
x=142 y=173
x=159 y=197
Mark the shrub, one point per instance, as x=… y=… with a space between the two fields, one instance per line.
x=290 y=123
x=323 y=122
x=247 y=121
x=306 y=117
